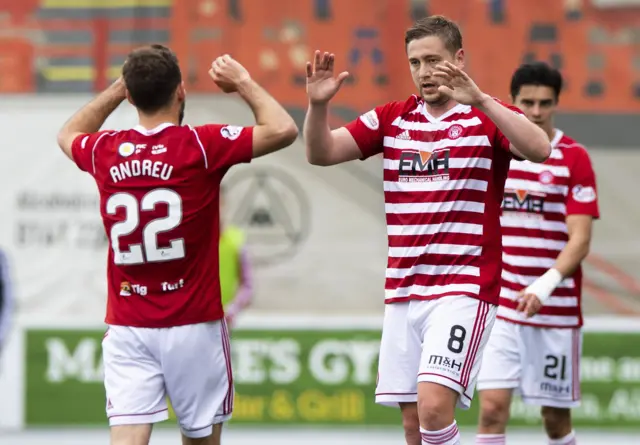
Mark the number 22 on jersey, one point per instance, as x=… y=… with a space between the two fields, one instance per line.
x=147 y=251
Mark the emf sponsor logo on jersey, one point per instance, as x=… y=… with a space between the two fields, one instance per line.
x=523 y=201
x=422 y=166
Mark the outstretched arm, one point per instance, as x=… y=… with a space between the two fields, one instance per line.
x=91 y=117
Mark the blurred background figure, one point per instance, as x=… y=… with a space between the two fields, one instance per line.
x=6 y=301
x=235 y=268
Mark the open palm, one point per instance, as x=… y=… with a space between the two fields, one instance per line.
x=458 y=85
x=322 y=85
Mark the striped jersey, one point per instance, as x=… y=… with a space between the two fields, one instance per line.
x=538 y=198
x=443 y=184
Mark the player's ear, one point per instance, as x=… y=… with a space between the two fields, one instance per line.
x=459 y=58
x=181 y=92
x=129 y=99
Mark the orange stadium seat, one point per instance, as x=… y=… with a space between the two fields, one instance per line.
x=592 y=47
x=16 y=59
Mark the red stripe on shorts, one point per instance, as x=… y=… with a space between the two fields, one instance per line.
x=575 y=364
x=227 y=407
x=476 y=339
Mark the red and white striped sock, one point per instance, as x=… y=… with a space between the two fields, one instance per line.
x=448 y=436
x=569 y=439
x=491 y=439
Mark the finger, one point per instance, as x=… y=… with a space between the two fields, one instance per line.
x=532 y=307
x=522 y=304
x=316 y=63
x=309 y=70
x=445 y=69
x=342 y=77
x=442 y=75
x=331 y=62
x=325 y=61
x=226 y=58
x=216 y=65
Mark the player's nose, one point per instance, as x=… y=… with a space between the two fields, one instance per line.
x=536 y=110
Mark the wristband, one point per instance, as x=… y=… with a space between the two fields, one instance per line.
x=544 y=286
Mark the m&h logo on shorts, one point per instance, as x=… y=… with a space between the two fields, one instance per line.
x=440 y=361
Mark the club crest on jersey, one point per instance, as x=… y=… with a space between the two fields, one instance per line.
x=125 y=289
x=583 y=194
x=231 y=132
x=546 y=177
x=523 y=203
x=423 y=166
x=370 y=120
x=126 y=149
x=455 y=131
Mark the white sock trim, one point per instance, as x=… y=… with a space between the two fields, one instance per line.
x=569 y=439
x=447 y=436
x=491 y=439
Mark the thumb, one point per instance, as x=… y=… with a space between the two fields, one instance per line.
x=445 y=90
x=342 y=77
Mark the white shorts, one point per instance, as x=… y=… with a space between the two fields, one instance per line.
x=439 y=341
x=191 y=364
x=540 y=364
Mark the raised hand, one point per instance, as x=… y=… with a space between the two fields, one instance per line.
x=227 y=73
x=322 y=85
x=458 y=85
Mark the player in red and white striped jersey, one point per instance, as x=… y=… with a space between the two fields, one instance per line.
x=547 y=214
x=446 y=157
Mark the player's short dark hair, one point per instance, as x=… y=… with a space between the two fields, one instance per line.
x=151 y=75
x=436 y=25
x=538 y=74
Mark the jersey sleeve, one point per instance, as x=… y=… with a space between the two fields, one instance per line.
x=82 y=150
x=368 y=131
x=225 y=145
x=582 y=197
x=500 y=141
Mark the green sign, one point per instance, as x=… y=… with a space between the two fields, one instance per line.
x=311 y=377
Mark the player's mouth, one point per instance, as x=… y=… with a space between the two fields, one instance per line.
x=429 y=87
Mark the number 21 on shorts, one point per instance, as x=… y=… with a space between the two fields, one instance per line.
x=147 y=251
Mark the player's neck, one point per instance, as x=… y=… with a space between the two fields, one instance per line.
x=152 y=121
x=438 y=109
x=550 y=130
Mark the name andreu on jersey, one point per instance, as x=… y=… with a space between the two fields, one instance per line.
x=135 y=167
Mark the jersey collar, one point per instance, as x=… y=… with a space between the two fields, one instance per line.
x=140 y=129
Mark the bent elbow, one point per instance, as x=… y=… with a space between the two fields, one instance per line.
x=61 y=139
x=541 y=153
x=313 y=159
x=289 y=133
